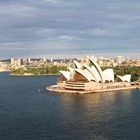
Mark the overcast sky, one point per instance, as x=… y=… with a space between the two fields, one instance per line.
x=69 y=28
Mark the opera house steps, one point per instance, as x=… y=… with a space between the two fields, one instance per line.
x=75 y=85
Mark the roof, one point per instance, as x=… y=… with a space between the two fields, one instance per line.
x=77 y=64
x=125 y=78
x=108 y=75
x=98 y=68
x=66 y=74
x=85 y=73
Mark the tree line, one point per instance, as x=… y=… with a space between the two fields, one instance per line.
x=123 y=70
x=39 y=70
x=53 y=69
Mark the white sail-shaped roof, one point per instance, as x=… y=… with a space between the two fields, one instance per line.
x=77 y=64
x=71 y=69
x=98 y=69
x=96 y=74
x=125 y=78
x=85 y=73
x=66 y=74
x=93 y=72
x=108 y=75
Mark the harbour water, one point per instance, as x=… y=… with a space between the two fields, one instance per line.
x=29 y=112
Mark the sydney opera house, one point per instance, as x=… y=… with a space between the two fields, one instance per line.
x=88 y=77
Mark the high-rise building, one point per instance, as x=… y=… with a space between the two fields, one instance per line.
x=15 y=62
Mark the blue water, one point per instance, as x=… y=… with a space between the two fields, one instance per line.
x=29 y=112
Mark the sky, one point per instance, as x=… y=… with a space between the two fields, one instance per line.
x=69 y=28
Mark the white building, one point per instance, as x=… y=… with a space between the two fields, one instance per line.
x=88 y=77
x=90 y=71
x=15 y=62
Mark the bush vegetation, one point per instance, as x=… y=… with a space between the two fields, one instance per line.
x=119 y=70
x=39 y=70
x=122 y=70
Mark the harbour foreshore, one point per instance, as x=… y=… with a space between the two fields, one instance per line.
x=31 y=74
x=56 y=88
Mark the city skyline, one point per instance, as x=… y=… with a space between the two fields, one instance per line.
x=60 y=28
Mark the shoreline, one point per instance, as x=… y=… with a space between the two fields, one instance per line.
x=55 y=88
x=33 y=74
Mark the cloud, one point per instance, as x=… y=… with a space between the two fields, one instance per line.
x=68 y=26
x=52 y=1
x=66 y=38
x=99 y=32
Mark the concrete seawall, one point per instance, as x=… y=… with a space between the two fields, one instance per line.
x=55 y=88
